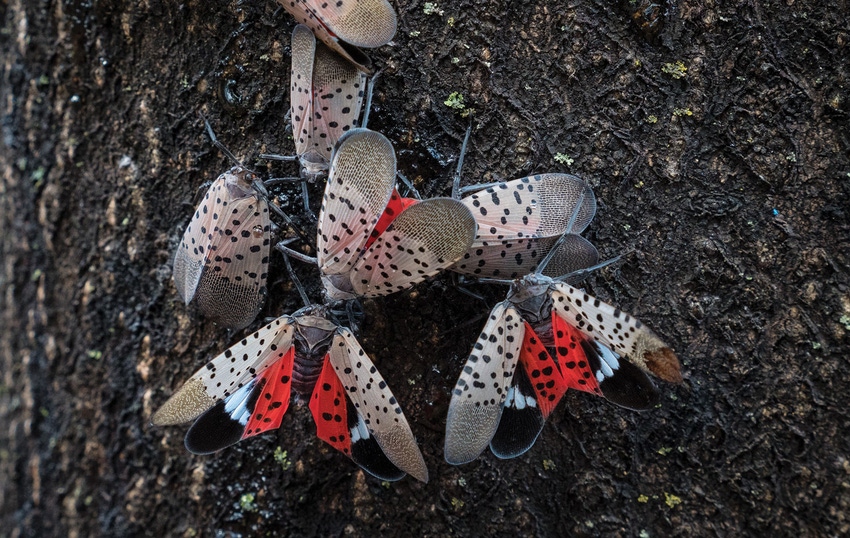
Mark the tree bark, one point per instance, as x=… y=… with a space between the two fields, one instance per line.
x=719 y=152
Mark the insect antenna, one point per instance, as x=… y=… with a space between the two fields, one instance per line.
x=577 y=276
x=286 y=252
x=369 y=89
x=456 y=190
x=221 y=147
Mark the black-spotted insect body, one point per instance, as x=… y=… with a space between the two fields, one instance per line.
x=326 y=97
x=362 y=252
x=247 y=389
x=520 y=221
x=546 y=338
x=345 y=25
x=222 y=261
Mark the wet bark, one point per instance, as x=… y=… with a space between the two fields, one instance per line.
x=719 y=152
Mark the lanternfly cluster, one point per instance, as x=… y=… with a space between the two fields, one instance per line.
x=546 y=337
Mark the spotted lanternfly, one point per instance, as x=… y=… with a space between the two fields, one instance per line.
x=519 y=221
x=246 y=390
x=345 y=25
x=548 y=337
x=326 y=95
x=371 y=242
x=222 y=261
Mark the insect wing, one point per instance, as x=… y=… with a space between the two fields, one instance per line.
x=362 y=23
x=543 y=374
x=572 y=353
x=222 y=262
x=337 y=97
x=482 y=388
x=516 y=258
x=325 y=24
x=395 y=206
x=534 y=206
x=521 y=421
x=536 y=388
x=192 y=253
x=329 y=409
x=255 y=408
x=301 y=87
x=519 y=221
x=360 y=183
x=574 y=254
x=338 y=424
x=228 y=373
x=425 y=238
x=589 y=366
x=374 y=415
x=622 y=334
x=233 y=285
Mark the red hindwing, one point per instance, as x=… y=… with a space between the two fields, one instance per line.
x=274 y=399
x=329 y=409
x=572 y=359
x=549 y=386
x=396 y=205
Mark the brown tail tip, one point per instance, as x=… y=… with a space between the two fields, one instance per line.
x=664 y=363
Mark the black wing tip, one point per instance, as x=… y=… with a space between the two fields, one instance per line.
x=518 y=431
x=213 y=431
x=369 y=455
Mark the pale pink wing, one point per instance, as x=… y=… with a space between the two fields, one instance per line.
x=301 y=87
x=424 y=239
x=360 y=183
x=338 y=89
x=222 y=262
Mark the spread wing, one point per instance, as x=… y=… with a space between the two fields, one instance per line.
x=229 y=373
x=479 y=396
x=616 y=330
x=356 y=413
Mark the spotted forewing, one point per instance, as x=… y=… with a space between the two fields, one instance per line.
x=481 y=390
x=370 y=246
x=360 y=184
x=326 y=96
x=520 y=221
x=345 y=25
x=616 y=330
x=222 y=261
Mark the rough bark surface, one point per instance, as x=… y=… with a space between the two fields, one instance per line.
x=723 y=181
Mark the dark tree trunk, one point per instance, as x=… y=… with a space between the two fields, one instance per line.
x=720 y=155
